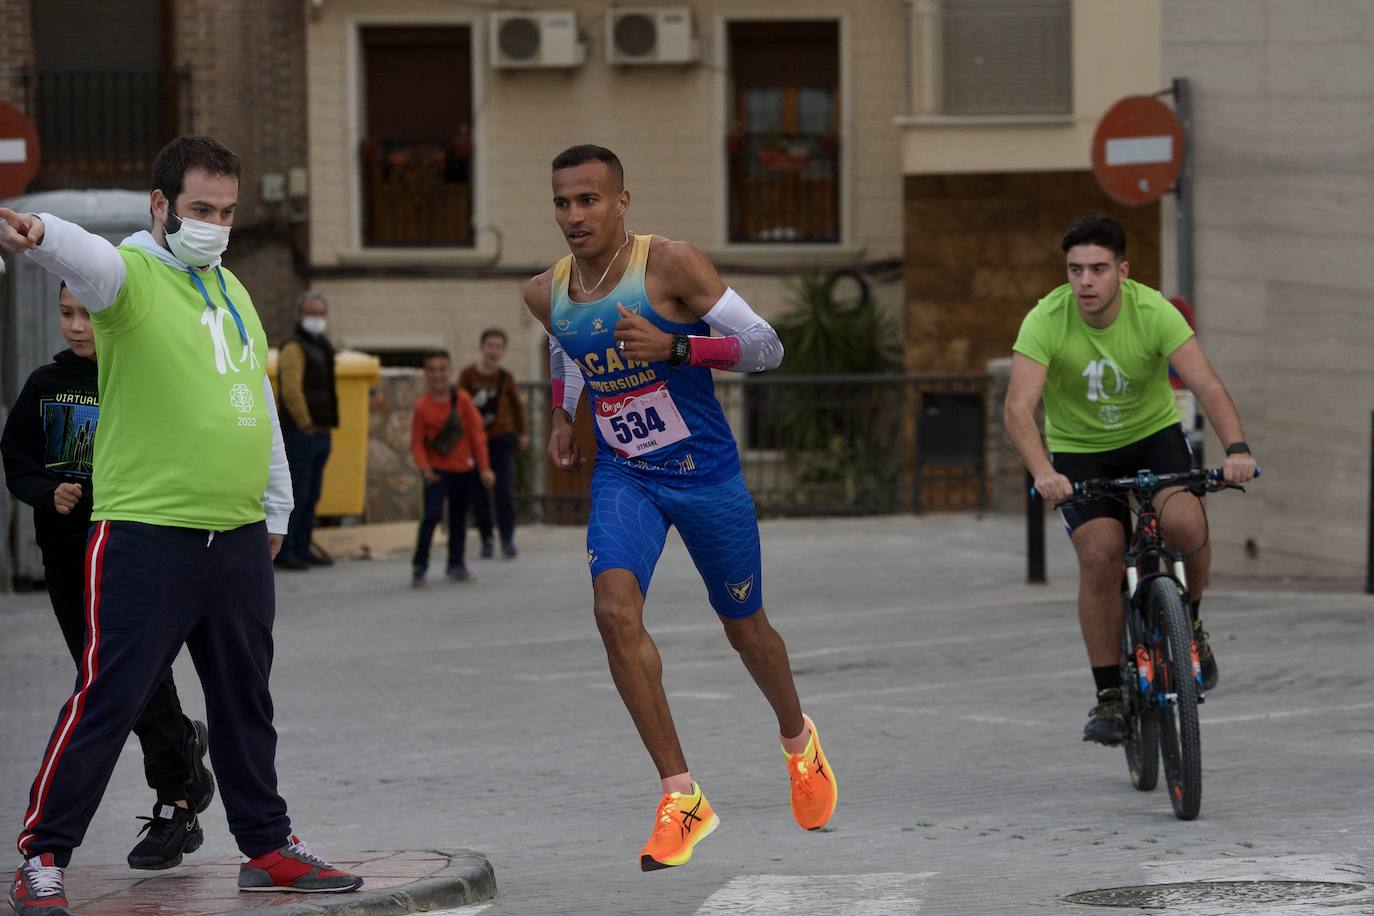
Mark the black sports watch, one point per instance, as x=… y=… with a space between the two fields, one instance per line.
x=681 y=350
x=1237 y=448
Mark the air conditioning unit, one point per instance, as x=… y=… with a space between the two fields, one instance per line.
x=536 y=39
x=650 y=35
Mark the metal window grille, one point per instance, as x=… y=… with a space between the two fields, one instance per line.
x=103 y=129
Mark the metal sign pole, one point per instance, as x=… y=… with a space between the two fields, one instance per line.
x=1035 y=535
x=1183 y=107
x=1369 y=560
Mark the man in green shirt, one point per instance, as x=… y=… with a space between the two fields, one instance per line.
x=192 y=496
x=1098 y=350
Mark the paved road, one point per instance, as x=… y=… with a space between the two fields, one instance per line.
x=951 y=697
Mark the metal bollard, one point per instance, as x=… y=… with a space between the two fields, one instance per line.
x=1369 y=560
x=1035 y=535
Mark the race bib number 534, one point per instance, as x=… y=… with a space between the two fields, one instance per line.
x=640 y=421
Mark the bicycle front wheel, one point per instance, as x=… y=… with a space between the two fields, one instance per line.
x=1142 y=741
x=1180 y=742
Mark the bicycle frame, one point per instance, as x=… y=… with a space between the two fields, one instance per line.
x=1148 y=543
x=1146 y=551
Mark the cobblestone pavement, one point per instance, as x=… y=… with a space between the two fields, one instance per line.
x=951 y=697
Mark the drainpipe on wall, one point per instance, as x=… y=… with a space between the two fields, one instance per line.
x=1183 y=107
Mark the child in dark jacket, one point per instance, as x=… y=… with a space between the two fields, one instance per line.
x=47 y=448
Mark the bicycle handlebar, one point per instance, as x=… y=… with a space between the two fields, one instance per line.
x=1143 y=481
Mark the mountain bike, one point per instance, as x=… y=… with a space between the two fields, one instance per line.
x=1161 y=677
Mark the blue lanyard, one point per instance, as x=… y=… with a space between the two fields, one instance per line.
x=243 y=332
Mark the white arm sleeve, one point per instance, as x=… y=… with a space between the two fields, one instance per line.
x=565 y=378
x=277 y=500
x=759 y=347
x=90 y=264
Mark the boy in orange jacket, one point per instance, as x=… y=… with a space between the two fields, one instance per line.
x=449 y=445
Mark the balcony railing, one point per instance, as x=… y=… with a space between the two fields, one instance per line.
x=417 y=193
x=784 y=188
x=103 y=129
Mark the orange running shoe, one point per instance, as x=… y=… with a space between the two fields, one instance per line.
x=681 y=823
x=814 y=789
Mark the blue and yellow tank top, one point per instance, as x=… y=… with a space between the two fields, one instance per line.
x=659 y=420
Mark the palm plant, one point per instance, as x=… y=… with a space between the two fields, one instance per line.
x=825 y=336
x=837 y=434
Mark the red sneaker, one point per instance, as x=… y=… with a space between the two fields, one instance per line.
x=295 y=868
x=37 y=888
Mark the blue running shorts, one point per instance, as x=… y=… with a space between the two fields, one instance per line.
x=629 y=524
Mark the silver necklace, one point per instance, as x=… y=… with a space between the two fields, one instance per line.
x=604 y=273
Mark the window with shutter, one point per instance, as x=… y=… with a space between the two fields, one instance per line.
x=1006 y=57
x=417 y=150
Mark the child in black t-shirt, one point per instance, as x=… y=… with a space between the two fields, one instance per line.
x=48 y=447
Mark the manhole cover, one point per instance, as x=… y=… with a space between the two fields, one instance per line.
x=1238 y=894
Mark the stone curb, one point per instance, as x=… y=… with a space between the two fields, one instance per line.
x=467 y=878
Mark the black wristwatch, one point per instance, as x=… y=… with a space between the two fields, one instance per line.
x=681 y=350
x=1237 y=448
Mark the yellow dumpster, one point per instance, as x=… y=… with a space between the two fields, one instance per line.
x=344 y=491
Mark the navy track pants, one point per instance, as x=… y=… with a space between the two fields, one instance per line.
x=149 y=590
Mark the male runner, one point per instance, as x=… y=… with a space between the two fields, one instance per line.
x=638 y=335
x=1099 y=349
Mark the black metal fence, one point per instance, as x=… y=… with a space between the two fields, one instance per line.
x=813 y=445
x=103 y=129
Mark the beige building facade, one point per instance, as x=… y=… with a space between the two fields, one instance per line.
x=1283 y=130
x=681 y=130
x=996 y=154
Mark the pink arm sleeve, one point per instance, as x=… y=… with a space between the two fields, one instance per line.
x=748 y=344
x=565 y=379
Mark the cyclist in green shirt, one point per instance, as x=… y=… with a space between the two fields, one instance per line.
x=1098 y=350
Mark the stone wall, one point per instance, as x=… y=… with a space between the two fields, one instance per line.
x=393 y=484
x=982 y=249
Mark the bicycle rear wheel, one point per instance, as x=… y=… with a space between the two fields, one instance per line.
x=1142 y=741
x=1180 y=742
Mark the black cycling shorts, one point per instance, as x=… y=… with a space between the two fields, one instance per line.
x=1165 y=452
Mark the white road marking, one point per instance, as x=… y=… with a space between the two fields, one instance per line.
x=943 y=685
x=1284 y=714
x=932 y=642
x=861 y=648
x=1000 y=720
x=885 y=894
x=469 y=910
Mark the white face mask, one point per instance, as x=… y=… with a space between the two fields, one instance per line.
x=196 y=243
x=313 y=324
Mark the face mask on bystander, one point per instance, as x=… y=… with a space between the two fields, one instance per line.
x=194 y=242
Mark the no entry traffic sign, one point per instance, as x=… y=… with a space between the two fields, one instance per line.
x=18 y=151
x=1138 y=150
